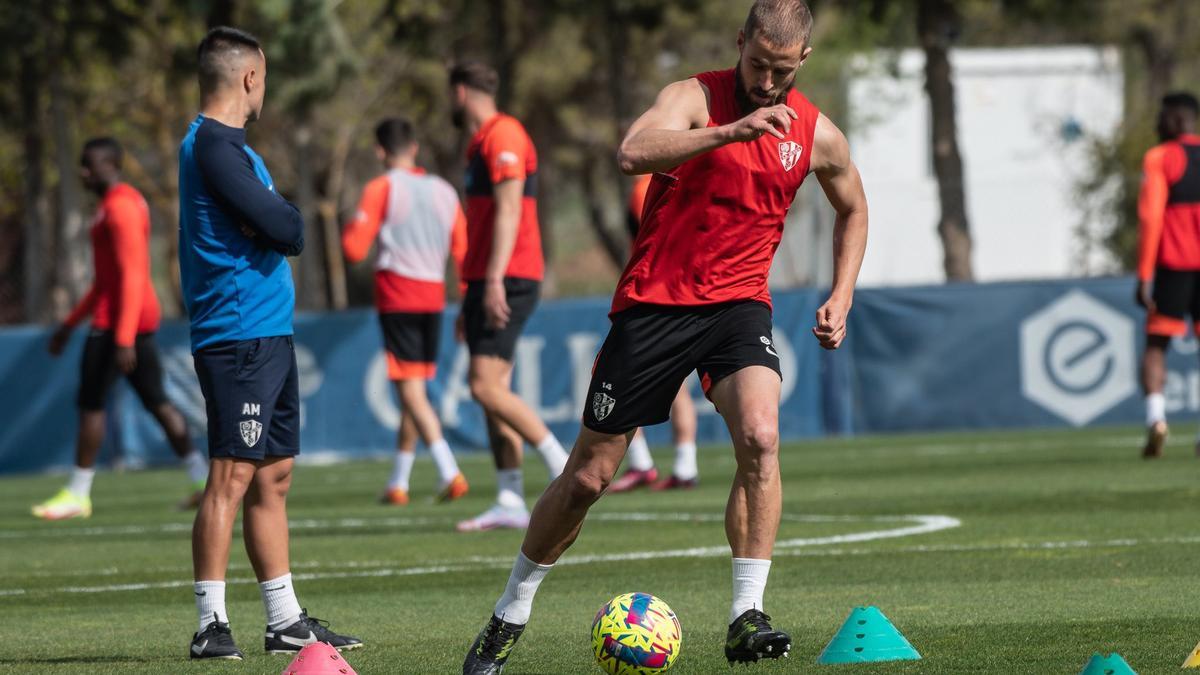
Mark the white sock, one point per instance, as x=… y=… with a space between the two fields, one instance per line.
x=197 y=466
x=749 y=580
x=511 y=486
x=516 y=603
x=210 y=600
x=80 y=484
x=553 y=455
x=444 y=459
x=279 y=599
x=639 y=454
x=1156 y=408
x=402 y=469
x=685 y=462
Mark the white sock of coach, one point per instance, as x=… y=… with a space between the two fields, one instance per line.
x=553 y=455
x=210 y=600
x=511 y=484
x=1156 y=408
x=639 y=454
x=402 y=469
x=749 y=581
x=517 y=602
x=279 y=599
x=197 y=466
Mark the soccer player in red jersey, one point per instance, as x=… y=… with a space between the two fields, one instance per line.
x=729 y=150
x=125 y=315
x=417 y=221
x=503 y=270
x=1168 y=251
x=685 y=473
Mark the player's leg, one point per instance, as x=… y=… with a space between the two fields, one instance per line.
x=98 y=371
x=228 y=479
x=685 y=473
x=266 y=527
x=641 y=469
x=488 y=377
x=749 y=401
x=1173 y=295
x=492 y=352
x=413 y=397
x=147 y=381
x=406 y=452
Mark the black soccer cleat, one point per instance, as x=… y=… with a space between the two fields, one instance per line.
x=304 y=632
x=215 y=642
x=492 y=647
x=751 y=638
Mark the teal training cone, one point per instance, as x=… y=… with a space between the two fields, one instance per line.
x=1112 y=664
x=866 y=636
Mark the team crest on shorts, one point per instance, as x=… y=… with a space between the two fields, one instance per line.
x=251 y=431
x=602 y=405
x=789 y=154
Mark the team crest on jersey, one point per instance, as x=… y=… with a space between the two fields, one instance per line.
x=789 y=154
x=251 y=431
x=602 y=405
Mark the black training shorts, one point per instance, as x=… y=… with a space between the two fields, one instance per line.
x=252 y=395
x=482 y=340
x=98 y=371
x=651 y=349
x=411 y=342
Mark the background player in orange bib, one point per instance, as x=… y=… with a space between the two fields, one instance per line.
x=417 y=221
x=1168 y=251
x=730 y=149
x=125 y=316
x=684 y=472
x=503 y=270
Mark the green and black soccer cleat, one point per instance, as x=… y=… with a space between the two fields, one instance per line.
x=751 y=638
x=492 y=647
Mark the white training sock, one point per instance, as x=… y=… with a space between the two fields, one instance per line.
x=401 y=470
x=80 y=484
x=749 y=581
x=553 y=455
x=444 y=459
x=279 y=599
x=210 y=600
x=511 y=486
x=197 y=466
x=685 y=462
x=1156 y=408
x=517 y=602
x=639 y=454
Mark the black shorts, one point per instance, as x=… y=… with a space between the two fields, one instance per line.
x=1176 y=297
x=252 y=395
x=651 y=349
x=411 y=343
x=98 y=371
x=522 y=295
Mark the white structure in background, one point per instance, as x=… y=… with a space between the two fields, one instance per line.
x=1025 y=117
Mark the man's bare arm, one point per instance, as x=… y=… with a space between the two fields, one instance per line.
x=843 y=187
x=675 y=129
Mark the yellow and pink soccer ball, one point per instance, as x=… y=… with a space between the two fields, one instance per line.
x=636 y=634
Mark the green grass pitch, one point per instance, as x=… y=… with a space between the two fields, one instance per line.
x=1068 y=544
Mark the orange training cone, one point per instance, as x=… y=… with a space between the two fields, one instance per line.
x=319 y=658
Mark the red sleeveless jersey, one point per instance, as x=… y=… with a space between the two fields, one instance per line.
x=711 y=225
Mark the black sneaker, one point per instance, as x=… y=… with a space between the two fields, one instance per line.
x=751 y=638
x=492 y=647
x=304 y=632
x=215 y=642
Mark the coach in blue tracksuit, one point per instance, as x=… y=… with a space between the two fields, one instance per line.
x=234 y=234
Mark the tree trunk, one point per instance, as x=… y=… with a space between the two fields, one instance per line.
x=312 y=292
x=502 y=57
x=335 y=262
x=37 y=244
x=71 y=257
x=614 y=247
x=937 y=26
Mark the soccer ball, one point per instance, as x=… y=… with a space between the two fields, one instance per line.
x=636 y=634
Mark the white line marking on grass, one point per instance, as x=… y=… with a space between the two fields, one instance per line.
x=923 y=525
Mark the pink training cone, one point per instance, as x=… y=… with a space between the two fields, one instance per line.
x=319 y=658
